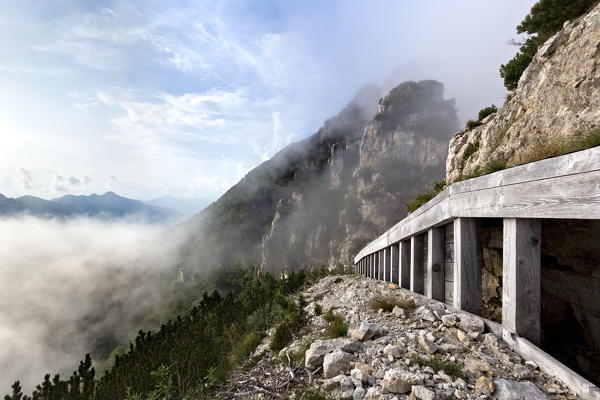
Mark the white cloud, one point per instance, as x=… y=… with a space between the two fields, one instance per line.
x=24 y=178
x=70 y=183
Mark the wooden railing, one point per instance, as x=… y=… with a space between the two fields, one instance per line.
x=562 y=187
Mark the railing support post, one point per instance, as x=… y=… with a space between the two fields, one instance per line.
x=387 y=273
x=416 y=264
x=434 y=286
x=467 y=265
x=395 y=264
x=521 y=277
x=404 y=264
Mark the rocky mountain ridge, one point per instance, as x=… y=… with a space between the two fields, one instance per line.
x=318 y=201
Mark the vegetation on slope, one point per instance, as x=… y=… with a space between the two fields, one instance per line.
x=545 y=19
x=190 y=355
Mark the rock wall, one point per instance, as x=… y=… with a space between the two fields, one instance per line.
x=570 y=293
x=557 y=103
x=492 y=245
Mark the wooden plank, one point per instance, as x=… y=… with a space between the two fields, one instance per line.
x=574 y=196
x=467 y=266
x=404 y=255
x=521 y=307
x=570 y=164
x=416 y=264
x=395 y=263
x=435 y=286
x=448 y=292
x=548 y=364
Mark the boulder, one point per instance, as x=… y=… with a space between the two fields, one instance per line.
x=484 y=385
x=398 y=312
x=316 y=353
x=392 y=350
x=359 y=393
x=364 y=330
x=427 y=345
x=450 y=320
x=512 y=390
x=336 y=362
x=396 y=381
x=521 y=372
x=421 y=392
x=471 y=324
x=339 y=383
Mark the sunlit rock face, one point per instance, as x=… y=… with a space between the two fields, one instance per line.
x=557 y=102
x=318 y=201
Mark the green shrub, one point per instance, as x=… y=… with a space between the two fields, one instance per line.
x=337 y=328
x=318 y=309
x=282 y=336
x=545 y=19
x=388 y=302
x=486 y=111
x=247 y=345
x=450 y=368
x=471 y=149
x=422 y=198
x=329 y=315
x=472 y=124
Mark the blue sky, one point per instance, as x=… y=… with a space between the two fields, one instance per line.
x=182 y=98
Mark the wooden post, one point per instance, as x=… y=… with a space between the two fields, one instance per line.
x=388 y=264
x=467 y=266
x=371 y=266
x=380 y=265
x=395 y=264
x=434 y=287
x=404 y=263
x=521 y=277
x=416 y=264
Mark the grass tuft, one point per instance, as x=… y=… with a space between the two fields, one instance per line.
x=450 y=368
x=318 y=309
x=388 y=302
x=422 y=198
x=336 y=326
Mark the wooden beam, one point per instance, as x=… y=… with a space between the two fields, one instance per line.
x=434 y=286
x=416 y=264
x=395 y=263
x=521 y=277
x=404 y=263
x=467 y=266
x=560 y=187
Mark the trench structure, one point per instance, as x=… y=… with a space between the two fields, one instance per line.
x=519 y=248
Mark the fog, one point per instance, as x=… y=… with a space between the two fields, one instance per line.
x=67 y=288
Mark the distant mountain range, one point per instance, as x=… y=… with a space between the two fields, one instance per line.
x=187 y=207
x=106 y=206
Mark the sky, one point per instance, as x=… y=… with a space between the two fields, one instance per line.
x=182 y=98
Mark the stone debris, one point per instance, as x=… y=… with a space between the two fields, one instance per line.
x=419 y=356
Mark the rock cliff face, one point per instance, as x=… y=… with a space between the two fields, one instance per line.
x=317 y=202
x=556 y=103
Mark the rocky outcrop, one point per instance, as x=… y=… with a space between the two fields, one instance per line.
x=393 y=363
x=556 y=103
x=317 y=202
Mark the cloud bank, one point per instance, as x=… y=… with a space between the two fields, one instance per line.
x=71 y=287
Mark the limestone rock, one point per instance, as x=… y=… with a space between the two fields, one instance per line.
x=512 y=390
x=359 y=393
x=373 y=393
x=484 y=385
x=392 y=350
x=316 y=353
x=398 y=312
x=421 y=392
x=339 y=383
x=364 y=330
x=428 y=345
x=521 y=372
x=396 y=381
x=471 y=324
x=557 y=99
x=336 y=362
x=450 y=320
